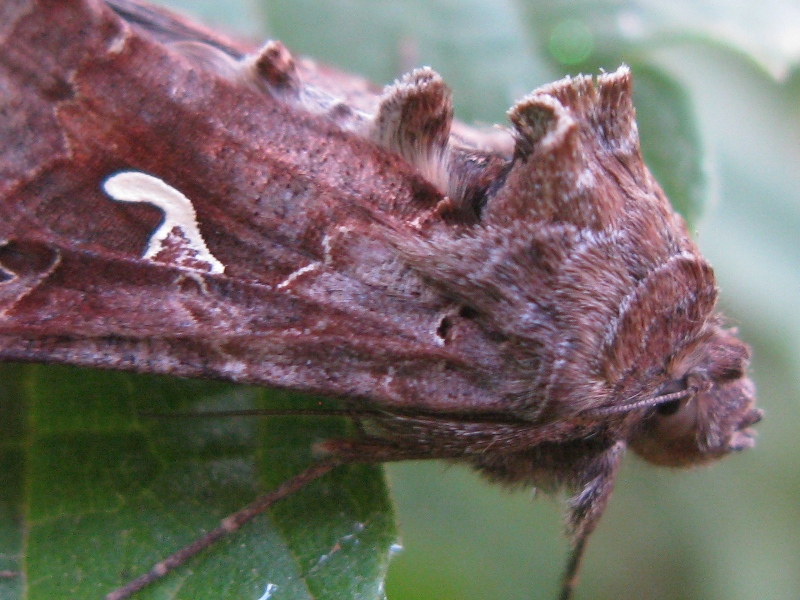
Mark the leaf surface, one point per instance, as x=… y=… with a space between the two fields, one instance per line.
x=100 y=492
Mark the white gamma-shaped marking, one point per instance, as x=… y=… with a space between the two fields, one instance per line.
x=135 y=186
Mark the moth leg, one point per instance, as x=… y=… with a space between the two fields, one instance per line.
x=228 y=525
x=570 y=579
x=586 y=508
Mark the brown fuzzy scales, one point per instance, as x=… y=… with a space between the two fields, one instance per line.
x=526 y=302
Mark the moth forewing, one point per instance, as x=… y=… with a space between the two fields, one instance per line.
x=522 y=302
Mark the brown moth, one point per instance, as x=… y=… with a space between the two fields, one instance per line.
x=525 y=301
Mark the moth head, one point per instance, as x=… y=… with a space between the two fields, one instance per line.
x=706 y=407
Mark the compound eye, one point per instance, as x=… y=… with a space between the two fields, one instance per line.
x=670 y=407
x=675 y=394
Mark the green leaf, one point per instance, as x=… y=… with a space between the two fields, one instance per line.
x=12 y=463
x=100 y=493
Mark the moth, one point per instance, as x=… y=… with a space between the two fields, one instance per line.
x=522 y=300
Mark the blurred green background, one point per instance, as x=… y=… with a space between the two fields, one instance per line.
x=717 y=89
